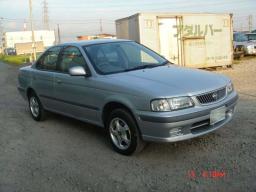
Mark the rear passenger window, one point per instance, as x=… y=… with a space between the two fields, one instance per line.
x=49 y=60
x=71 y=57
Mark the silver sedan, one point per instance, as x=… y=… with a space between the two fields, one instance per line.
x=133 y=92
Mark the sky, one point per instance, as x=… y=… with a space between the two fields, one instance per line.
x=82 y=17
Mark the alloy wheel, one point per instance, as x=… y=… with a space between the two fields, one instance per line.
x=120 y=133
x=34 y=106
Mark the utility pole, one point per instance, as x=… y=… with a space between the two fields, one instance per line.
x=1 y=33
x=58 y=32
x=25 y=26
x=241 y=27
x=45 y=15
x=250 y=18
x=32 y=31
x=101 y=27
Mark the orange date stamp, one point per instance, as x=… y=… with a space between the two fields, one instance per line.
x=214 y=174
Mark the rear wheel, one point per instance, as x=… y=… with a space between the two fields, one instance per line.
x=36 y=109
x=123 y=132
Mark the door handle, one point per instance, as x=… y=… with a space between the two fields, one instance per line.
x=59 y=81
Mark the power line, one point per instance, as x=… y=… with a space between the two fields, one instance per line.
x=148 y=6
x=126 y=4
x=72 y=21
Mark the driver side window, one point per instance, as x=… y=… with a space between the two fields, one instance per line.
x=71 y=57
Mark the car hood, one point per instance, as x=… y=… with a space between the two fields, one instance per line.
x=169 y=81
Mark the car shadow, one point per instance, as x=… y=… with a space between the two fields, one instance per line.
x=202 y=143
x=80 y=126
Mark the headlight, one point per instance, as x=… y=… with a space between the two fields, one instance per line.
x=171 y=104
x=230 y=88
x=180 y=103
x=250 y=47
x=160 y=105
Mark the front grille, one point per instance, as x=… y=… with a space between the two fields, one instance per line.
x=239 y=48
x=212 y=96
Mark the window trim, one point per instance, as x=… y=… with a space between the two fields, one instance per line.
x=43 y=55
x=87 y=69
x=110 y=73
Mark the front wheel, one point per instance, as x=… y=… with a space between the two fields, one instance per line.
x=36 y=109
x=123 y=133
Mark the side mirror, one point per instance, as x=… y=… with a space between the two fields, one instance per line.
x=77 y=71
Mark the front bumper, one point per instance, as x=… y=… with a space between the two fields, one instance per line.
x=177 y=126
x=250 y=51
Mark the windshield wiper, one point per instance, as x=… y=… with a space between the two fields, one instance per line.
x=142 y=67
x=164 y=63
x=147 y=66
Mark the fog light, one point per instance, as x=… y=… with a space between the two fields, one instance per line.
x=230 y=112
x=175 y=132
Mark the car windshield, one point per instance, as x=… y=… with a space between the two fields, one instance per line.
x=240 y=37
x=251 y=36
x=116 y=57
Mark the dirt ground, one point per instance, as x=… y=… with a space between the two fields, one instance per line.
x=62 y=154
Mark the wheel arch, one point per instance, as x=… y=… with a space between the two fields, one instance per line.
x=29 y=91
x=112 y=105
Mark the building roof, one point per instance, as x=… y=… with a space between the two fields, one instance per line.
x=105 y=34
x=100 y=34
x=94 y=42
x=170 y=14
x=28 y=31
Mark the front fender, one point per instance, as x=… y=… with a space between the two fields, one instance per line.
x=126 y=101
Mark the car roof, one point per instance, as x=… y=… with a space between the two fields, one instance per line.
x=94 y=42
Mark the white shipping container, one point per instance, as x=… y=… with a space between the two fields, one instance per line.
x=187 y=39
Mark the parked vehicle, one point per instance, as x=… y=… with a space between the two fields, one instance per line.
x=136 y=94
x=242 y=46
x=251 y=36
x=9 y=51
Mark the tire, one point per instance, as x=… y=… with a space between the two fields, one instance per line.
x=121 y=124
x=36 y=108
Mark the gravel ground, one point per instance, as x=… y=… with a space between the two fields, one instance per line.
x=61 y=154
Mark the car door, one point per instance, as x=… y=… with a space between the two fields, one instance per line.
x=74 y=94
x=43 y=76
